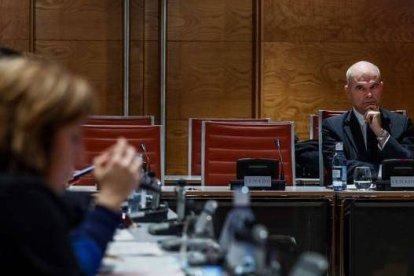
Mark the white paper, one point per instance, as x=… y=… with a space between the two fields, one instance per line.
x=133 y=248
x=123 y=235
x=161 y=265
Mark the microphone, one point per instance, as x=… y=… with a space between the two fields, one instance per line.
x=147 y=159
x=282 y=165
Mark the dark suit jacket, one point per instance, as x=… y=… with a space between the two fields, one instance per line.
x=345 y=128
x=35 y=227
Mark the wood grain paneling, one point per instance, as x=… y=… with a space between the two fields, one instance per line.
x=98 y=61
x=14 y=19
x=325 y=20
x=19 y=45
x=299 y=79
x=15 y=24
x=145 y=74
x=152 y=98
x=210 y=67
x=177 y=155
x=145 y=17
x=137 y=73
x=79 y=20
x=308 y=45
x=145 y=79
x=208 y=79
x=212 y=20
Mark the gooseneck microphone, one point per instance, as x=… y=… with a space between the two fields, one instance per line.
x=147 y=159
x=282 y=164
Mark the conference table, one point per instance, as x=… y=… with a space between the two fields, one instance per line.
x=360 y=232
x=303 y=213
x=375 y=232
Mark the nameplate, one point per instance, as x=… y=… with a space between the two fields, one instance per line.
x=258 y=181
x=402 y=181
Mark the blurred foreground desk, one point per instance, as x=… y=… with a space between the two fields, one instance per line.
x=135 y=252
x=376 y=233
x=306 y=213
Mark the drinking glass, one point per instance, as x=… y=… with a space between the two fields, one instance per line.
x=362 y=178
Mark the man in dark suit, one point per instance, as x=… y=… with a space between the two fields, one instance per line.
x=369 y=133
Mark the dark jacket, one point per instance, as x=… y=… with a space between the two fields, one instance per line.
x=35 y=226
x=345 y=128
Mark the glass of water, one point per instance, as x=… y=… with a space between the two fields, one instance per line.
x=362 y=178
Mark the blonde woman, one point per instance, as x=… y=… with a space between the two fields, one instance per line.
x=41 y=109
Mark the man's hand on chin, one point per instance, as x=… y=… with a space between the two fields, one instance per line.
x=373 y=118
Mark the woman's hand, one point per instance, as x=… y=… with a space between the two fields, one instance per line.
x=118 y=172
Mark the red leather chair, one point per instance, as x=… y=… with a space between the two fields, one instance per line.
x=224 y=143
x=322 y=115
x=119 y=120
x=194 y=139
x=99 y=137
x=313 y=126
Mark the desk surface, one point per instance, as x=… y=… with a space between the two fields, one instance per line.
x=291 y=191
x=196 y=180
x=373 y=194
x=224 y=191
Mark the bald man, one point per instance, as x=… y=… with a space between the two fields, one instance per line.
x=369 y=133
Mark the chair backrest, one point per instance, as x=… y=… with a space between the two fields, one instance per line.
x=99 y=137
x=194 y=139
x=224 y=143
x=119 y=120
x=322 y=115
x=401 y=111
x=313 y=126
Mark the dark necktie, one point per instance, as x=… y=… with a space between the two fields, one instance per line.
x=372 y=145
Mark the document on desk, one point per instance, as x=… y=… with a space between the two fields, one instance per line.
x=123 y=235
x=125 y=255
x=133 y=248
x=142 y=265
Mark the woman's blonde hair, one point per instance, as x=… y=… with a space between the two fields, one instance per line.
x=37 y=98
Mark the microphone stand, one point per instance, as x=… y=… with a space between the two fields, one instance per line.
x=147 y=159
x=173 y=227
x=281 y=182
x=282 y=164
x=201 y=246
x=156 y=212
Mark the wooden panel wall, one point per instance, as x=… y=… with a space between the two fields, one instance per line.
x=15 y=24
x=308 y=45
x=86 y=36
x=209 y=67
x=145 y=58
